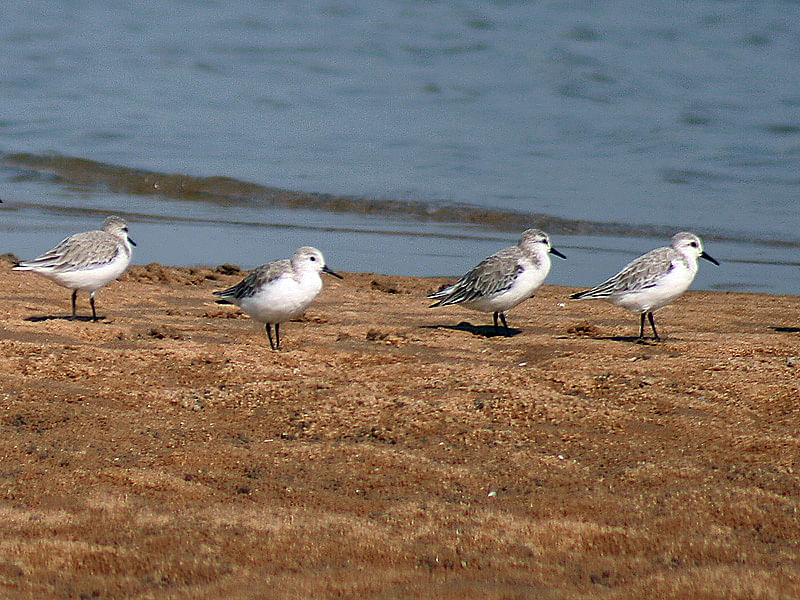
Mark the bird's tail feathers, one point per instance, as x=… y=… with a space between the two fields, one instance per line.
x=444 y=297
x=592 y=294
x=223 y=297
x=442 y=292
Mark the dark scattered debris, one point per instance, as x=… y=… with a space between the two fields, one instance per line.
x=386 y=288
x=584 y=330
x=373 y=335
x=165 y=331
x=228 y=269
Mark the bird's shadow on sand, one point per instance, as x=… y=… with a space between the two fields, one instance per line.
x=628 y=339
x=786 y=329
x=486 y=331
x=62 y=318
x=632 y=339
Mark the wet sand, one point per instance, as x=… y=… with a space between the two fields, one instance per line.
x=392 y=451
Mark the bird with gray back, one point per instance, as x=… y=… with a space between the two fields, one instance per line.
x=504 y=279
x=654 y=280
x=86 y=261
x=280 y=290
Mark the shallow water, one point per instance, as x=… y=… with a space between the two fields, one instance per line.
x=620 y=123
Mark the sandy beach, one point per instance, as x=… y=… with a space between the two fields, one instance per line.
x=392 y=451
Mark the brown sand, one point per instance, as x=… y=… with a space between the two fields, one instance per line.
x=392 y=451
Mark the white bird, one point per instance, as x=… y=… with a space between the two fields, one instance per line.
x=503 y=280
x=654 y=280
x=280 y=290
x=86 y=261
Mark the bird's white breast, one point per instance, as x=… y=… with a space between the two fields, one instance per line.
x=282 y=299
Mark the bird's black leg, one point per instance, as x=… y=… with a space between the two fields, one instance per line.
x=503 y=319
x=74 y=300
x=277 y=337
x=269 y=335
x=653 y=325
x=91 y=301
x=496 y=328
x=641 y=327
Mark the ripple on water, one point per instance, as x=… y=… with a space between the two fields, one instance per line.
x=781 y=129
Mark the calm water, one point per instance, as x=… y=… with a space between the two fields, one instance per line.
x=658 y=116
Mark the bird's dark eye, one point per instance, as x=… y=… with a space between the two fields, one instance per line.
x=312 y=258
x=693 y=244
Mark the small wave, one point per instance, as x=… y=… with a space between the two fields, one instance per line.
x=686 y=176
x=447 y=50
x=584 y=33
x=781 y=128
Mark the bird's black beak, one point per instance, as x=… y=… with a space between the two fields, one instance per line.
x=131 y=242
x=557 y=253
x=709 y=258
x=325 y=269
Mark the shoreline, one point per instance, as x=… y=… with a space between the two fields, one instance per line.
x=218 y=189
x=395 y=451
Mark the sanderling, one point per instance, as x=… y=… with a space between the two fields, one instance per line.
x=653 y=280
x=86 y=261
x=279 y=290
x=504 y=279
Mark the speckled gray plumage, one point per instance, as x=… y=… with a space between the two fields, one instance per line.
x=639 y=274
x=491 y=276
x=81 y=251
x=259 y=277
x=496 y=273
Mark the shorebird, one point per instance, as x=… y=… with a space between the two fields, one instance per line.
x=280 y=290
x=504 y=279
x=654 y=280
x=86 y=261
